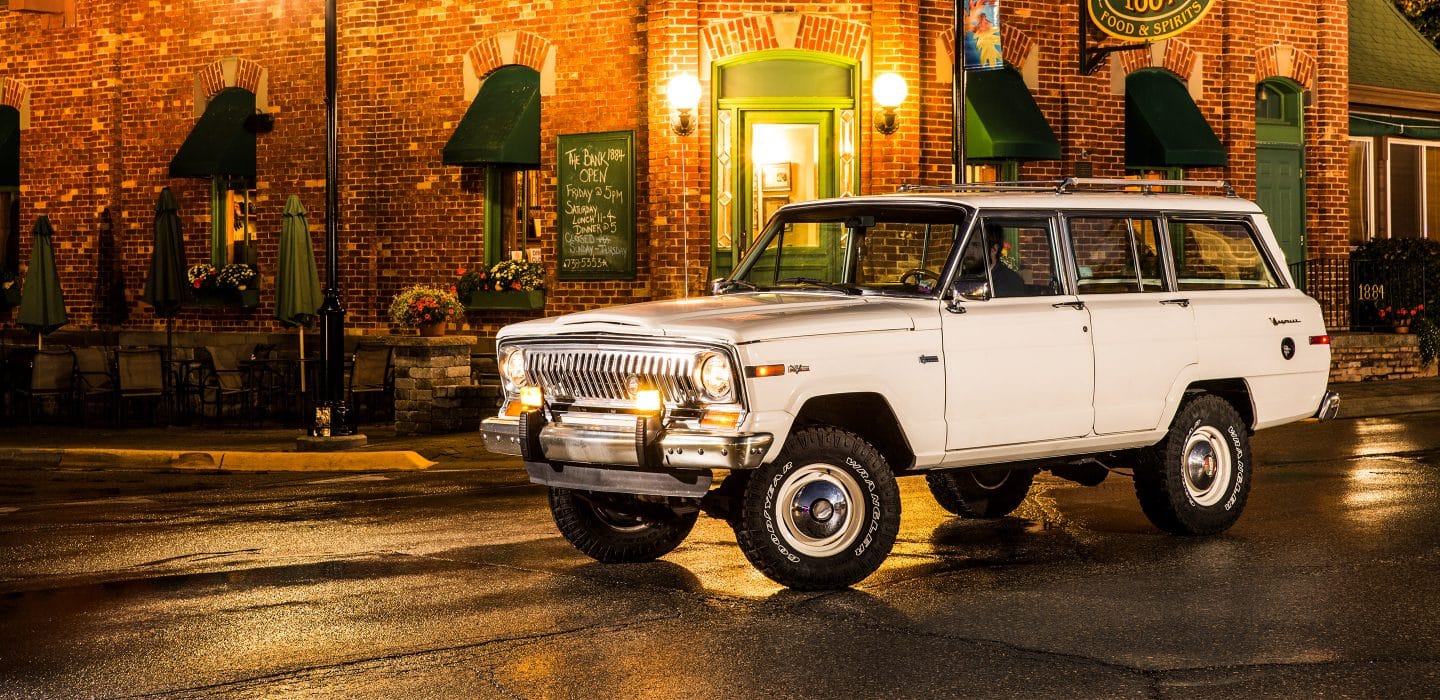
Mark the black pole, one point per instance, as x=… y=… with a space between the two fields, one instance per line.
x=331 y=417
x=957 y=97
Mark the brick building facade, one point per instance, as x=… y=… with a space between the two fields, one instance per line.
x=104 y=99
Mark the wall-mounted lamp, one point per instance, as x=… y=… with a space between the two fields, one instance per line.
x=684 y=95
x=890 y=91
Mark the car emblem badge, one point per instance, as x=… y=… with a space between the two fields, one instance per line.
x=632 y=386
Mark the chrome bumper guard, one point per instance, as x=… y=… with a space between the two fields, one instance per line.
x=621 y=441
x=1329 y=406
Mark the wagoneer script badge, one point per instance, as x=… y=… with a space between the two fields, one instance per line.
x=1282 y=321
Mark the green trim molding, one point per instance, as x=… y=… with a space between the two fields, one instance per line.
x=502 y=125
x=524 y=301
x=219 y=143
x=1163 y=126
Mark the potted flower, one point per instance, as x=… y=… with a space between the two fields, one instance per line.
x=1400 y=317
x=509 y=284
x=232 y=285
x=9 y=289
x=425 y=308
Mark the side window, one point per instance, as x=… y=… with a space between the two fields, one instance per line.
x=1219 y=255
x=1116 y=254
x=1015 y=257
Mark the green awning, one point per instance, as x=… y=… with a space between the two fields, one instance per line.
x=9 y=146
x=1385 y=125
x=1002 y=120
x=1163 y=127
x=219 y=144
x=502 y=126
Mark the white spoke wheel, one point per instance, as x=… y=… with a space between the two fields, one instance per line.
x=1196 y=481
x=822 y=516
x=980 y=493
x=618 y=528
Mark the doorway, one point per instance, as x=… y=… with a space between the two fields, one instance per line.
x=1280 y=163
x=785 y=133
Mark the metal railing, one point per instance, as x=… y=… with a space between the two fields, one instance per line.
x=1353 y=291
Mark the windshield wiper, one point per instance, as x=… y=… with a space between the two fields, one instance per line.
x=833 y=286
x=728 y=285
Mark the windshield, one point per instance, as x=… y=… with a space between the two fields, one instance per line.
x=851 y=250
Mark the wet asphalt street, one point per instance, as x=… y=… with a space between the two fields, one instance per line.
x=456 y=584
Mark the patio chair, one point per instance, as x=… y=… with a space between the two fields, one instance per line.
x=140 y=376
x=226 y=383
x=94 y=380
x=372 y=379
x=52 y=376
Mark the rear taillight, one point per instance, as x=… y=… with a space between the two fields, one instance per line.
x=1319 y=340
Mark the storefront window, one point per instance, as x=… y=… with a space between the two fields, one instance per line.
x=509 y=227
x=1362 y=191
x=997 y=171
x=232 y=221
x=1407 y=190
x=9 y=230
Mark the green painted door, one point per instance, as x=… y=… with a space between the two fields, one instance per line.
x=1280 y=191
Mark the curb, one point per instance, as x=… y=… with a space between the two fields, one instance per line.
x=217 y=460
x=1388 y=405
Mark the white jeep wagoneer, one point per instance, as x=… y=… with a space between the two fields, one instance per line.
x=973 y=335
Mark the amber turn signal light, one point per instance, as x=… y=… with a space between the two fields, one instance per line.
x=765 y=371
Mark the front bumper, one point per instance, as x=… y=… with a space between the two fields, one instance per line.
x=622 y=441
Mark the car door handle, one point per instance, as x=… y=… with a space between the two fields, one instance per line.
x=1071 y=304
x=1176 y=302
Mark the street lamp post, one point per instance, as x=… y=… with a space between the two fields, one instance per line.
x=332 y=417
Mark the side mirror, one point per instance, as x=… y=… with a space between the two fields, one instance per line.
x=716 y=285
x=972 y=289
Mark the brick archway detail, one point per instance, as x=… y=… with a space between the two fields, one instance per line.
x=1178 y=58
x=245 y=74
x=787 y=31
x=1285 y=61
x=518 y=47
x=14 y=93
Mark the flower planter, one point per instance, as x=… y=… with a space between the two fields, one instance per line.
x=239 y=298
x=10 y=297
x=524 y=301
x=432 y=330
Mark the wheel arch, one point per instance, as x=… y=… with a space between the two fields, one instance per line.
x=1236 y=391
x=866 y=414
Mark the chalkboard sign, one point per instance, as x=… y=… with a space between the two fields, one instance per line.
x=597 y=206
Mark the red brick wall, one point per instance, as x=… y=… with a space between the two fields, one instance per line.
x=112 y=99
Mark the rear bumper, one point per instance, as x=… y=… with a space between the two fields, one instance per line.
x=1329 y=406
x=628 y=441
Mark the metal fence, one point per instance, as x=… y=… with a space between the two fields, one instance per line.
x=1353 y=292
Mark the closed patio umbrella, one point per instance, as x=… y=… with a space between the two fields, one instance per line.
x=297 y=285
x=166 y=289
x=42 y=304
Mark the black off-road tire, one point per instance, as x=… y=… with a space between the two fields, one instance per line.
x=823 y=515
x=1196 y=481
x=980 y=493
x=618 y=535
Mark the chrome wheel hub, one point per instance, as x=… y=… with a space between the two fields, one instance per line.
x=817 y=509
x=1206 y=466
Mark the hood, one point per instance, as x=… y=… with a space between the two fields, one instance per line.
x=732 y=318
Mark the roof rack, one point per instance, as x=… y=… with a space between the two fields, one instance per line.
x=1071 y=184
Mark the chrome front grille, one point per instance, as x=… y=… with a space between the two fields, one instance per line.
x=609 y=376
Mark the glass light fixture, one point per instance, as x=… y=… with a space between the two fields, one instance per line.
x=890 y=90
x=684 y=96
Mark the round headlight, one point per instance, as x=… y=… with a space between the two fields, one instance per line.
x=512 y=367
x=714 y=376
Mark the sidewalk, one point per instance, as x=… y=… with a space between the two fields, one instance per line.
x=188 y=447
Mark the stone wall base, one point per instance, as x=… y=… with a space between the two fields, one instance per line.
x=1360 y=357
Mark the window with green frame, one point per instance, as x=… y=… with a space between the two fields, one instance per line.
x=509 y=227
x=232 y=220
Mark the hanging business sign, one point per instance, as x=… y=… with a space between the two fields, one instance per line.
x=1146 y=20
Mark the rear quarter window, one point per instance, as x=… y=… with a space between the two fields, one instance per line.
x=1219 y=255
